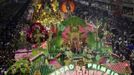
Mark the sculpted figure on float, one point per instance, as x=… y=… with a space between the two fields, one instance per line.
x=75 y=37
x=67 y=6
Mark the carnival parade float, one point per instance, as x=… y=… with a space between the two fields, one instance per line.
x=60 y=43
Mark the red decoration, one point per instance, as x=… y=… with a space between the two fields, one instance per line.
x=54 y=30
x=43 y=31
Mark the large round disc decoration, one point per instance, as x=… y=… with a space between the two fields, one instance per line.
x=67 y=6
x=37 y=34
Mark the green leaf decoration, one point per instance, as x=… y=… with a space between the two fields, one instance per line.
x=73 y=21
x=21 y=64
x=55 y=44
x=44 y=69
x=58 y=41
x=91 y=40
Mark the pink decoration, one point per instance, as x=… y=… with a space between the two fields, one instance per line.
x=65 y=33
x=43 y=45
x=91 y=27
x=22 y=54
x=120 y=67
x=53 y=61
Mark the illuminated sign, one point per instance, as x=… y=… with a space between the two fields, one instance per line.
x=89 y=69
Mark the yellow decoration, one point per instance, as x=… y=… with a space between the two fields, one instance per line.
x=38 y=6
x=46 y=17
x=46 y=61
x=37 y=72
x=54 y=5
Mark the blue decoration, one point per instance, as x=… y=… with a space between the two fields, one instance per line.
x=130 y=47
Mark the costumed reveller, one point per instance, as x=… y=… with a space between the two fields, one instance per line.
x=75 y=39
